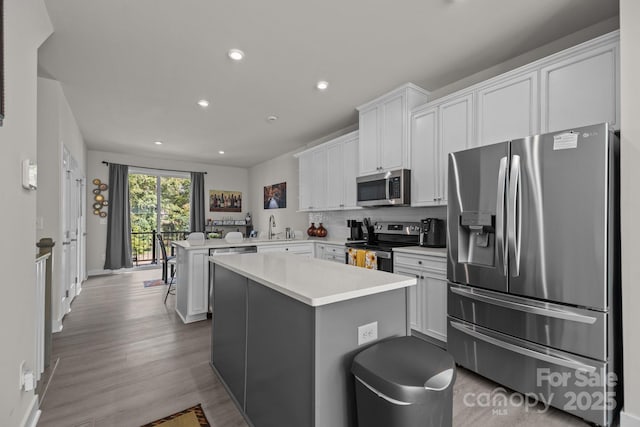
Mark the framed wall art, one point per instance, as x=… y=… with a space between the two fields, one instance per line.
x=275 y=196
x=225 y=201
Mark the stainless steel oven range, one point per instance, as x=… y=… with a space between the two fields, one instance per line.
x=383 y=237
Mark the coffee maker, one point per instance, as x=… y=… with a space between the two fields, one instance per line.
x=355 y=228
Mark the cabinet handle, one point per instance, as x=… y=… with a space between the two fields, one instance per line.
x=286 y=249
x=417 y=276
x=419 y=262
x=422 y=277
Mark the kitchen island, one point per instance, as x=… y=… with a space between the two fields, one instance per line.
x=285 y=330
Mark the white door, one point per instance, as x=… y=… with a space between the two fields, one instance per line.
x=306 y=179
x=335 y=176
x=456 y=133
x=369 y=140
x=508 y=110
x=416 y=298
x=581 y=90
x=424 y=157
x=393 y=129
x=65 y=274
x=350 y=153
x=434 y=303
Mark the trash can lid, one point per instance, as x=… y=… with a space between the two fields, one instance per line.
x=405 y=369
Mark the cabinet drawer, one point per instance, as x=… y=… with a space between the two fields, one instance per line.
x=423 y=262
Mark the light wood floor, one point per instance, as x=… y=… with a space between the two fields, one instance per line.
x=126 y=359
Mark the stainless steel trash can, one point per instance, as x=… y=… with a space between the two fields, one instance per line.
x=404 y=382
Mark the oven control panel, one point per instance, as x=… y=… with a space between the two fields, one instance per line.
x=406 y=228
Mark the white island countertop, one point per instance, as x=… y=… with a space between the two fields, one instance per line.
x=314 y=282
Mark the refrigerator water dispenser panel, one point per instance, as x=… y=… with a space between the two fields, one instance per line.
x=476 y=238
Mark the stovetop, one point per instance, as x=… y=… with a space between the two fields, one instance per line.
x=382 y=245
x=389 y=235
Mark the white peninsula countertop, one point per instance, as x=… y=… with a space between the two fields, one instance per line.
x=314 y=282
x=222 y=243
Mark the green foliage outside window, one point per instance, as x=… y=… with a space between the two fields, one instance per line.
x=174 y=208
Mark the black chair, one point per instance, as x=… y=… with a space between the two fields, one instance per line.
x=166 y=262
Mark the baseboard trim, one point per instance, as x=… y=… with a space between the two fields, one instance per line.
x=628 y=420
x=98 y=272
x=33 y=414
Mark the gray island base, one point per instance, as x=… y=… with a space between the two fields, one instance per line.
x=285 y=331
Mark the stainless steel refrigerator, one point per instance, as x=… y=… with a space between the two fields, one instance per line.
x=533 y=268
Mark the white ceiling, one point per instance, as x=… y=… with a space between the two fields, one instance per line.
x=133 y=70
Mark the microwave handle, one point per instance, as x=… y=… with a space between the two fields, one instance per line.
x=386 y=187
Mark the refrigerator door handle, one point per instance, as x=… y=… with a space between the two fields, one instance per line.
x=500 y=205
x=542 y=311
x=514 y=219
x=555 y=359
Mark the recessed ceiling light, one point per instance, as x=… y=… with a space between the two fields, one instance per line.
x=220 y=152
x=203 y=103
x=236 y=54
x=158 y=142
x=322 y=85
x=272 y=119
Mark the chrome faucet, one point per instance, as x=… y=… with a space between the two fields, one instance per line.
x=272 y=225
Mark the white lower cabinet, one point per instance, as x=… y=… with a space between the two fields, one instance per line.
x=192 y=284
x=330 y=252
x=428 y=299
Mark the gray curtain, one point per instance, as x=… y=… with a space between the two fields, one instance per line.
x=197 y=201
x=118 y=253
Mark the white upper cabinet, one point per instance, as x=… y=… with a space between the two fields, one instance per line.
x=508 y=109
x=327 y=175
x=384 y=130
x=582 y=89
x=456 y=133
x=312 y=174
x=424 y=157
x=342 y=157
x=436 y=131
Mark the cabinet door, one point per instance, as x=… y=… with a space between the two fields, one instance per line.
x=199 y=279
x=424 y=157
x=416 y=298
x=581 y=90
x=368 y=142
x=392 y=142
x=306 y=181
x=319 y=183
x=350 y=162
x=508 y=110
x=456 y=132
x=434 y=316
x=335 y=176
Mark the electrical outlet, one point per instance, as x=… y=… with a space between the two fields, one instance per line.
x=367 y=333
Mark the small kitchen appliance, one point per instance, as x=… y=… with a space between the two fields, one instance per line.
x=433 y=233
x=392 y=188
x=355 y=230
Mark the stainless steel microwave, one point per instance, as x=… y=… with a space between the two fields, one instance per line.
x=392 y=188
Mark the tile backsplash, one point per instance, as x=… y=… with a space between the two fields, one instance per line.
x=336 y=221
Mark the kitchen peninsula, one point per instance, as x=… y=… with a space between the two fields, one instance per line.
x=286 y=328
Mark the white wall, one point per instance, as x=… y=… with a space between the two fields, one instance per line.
x=26 y=26
x=57 y=127
x=217 y=178
x=630 y=205
x=281 y=169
